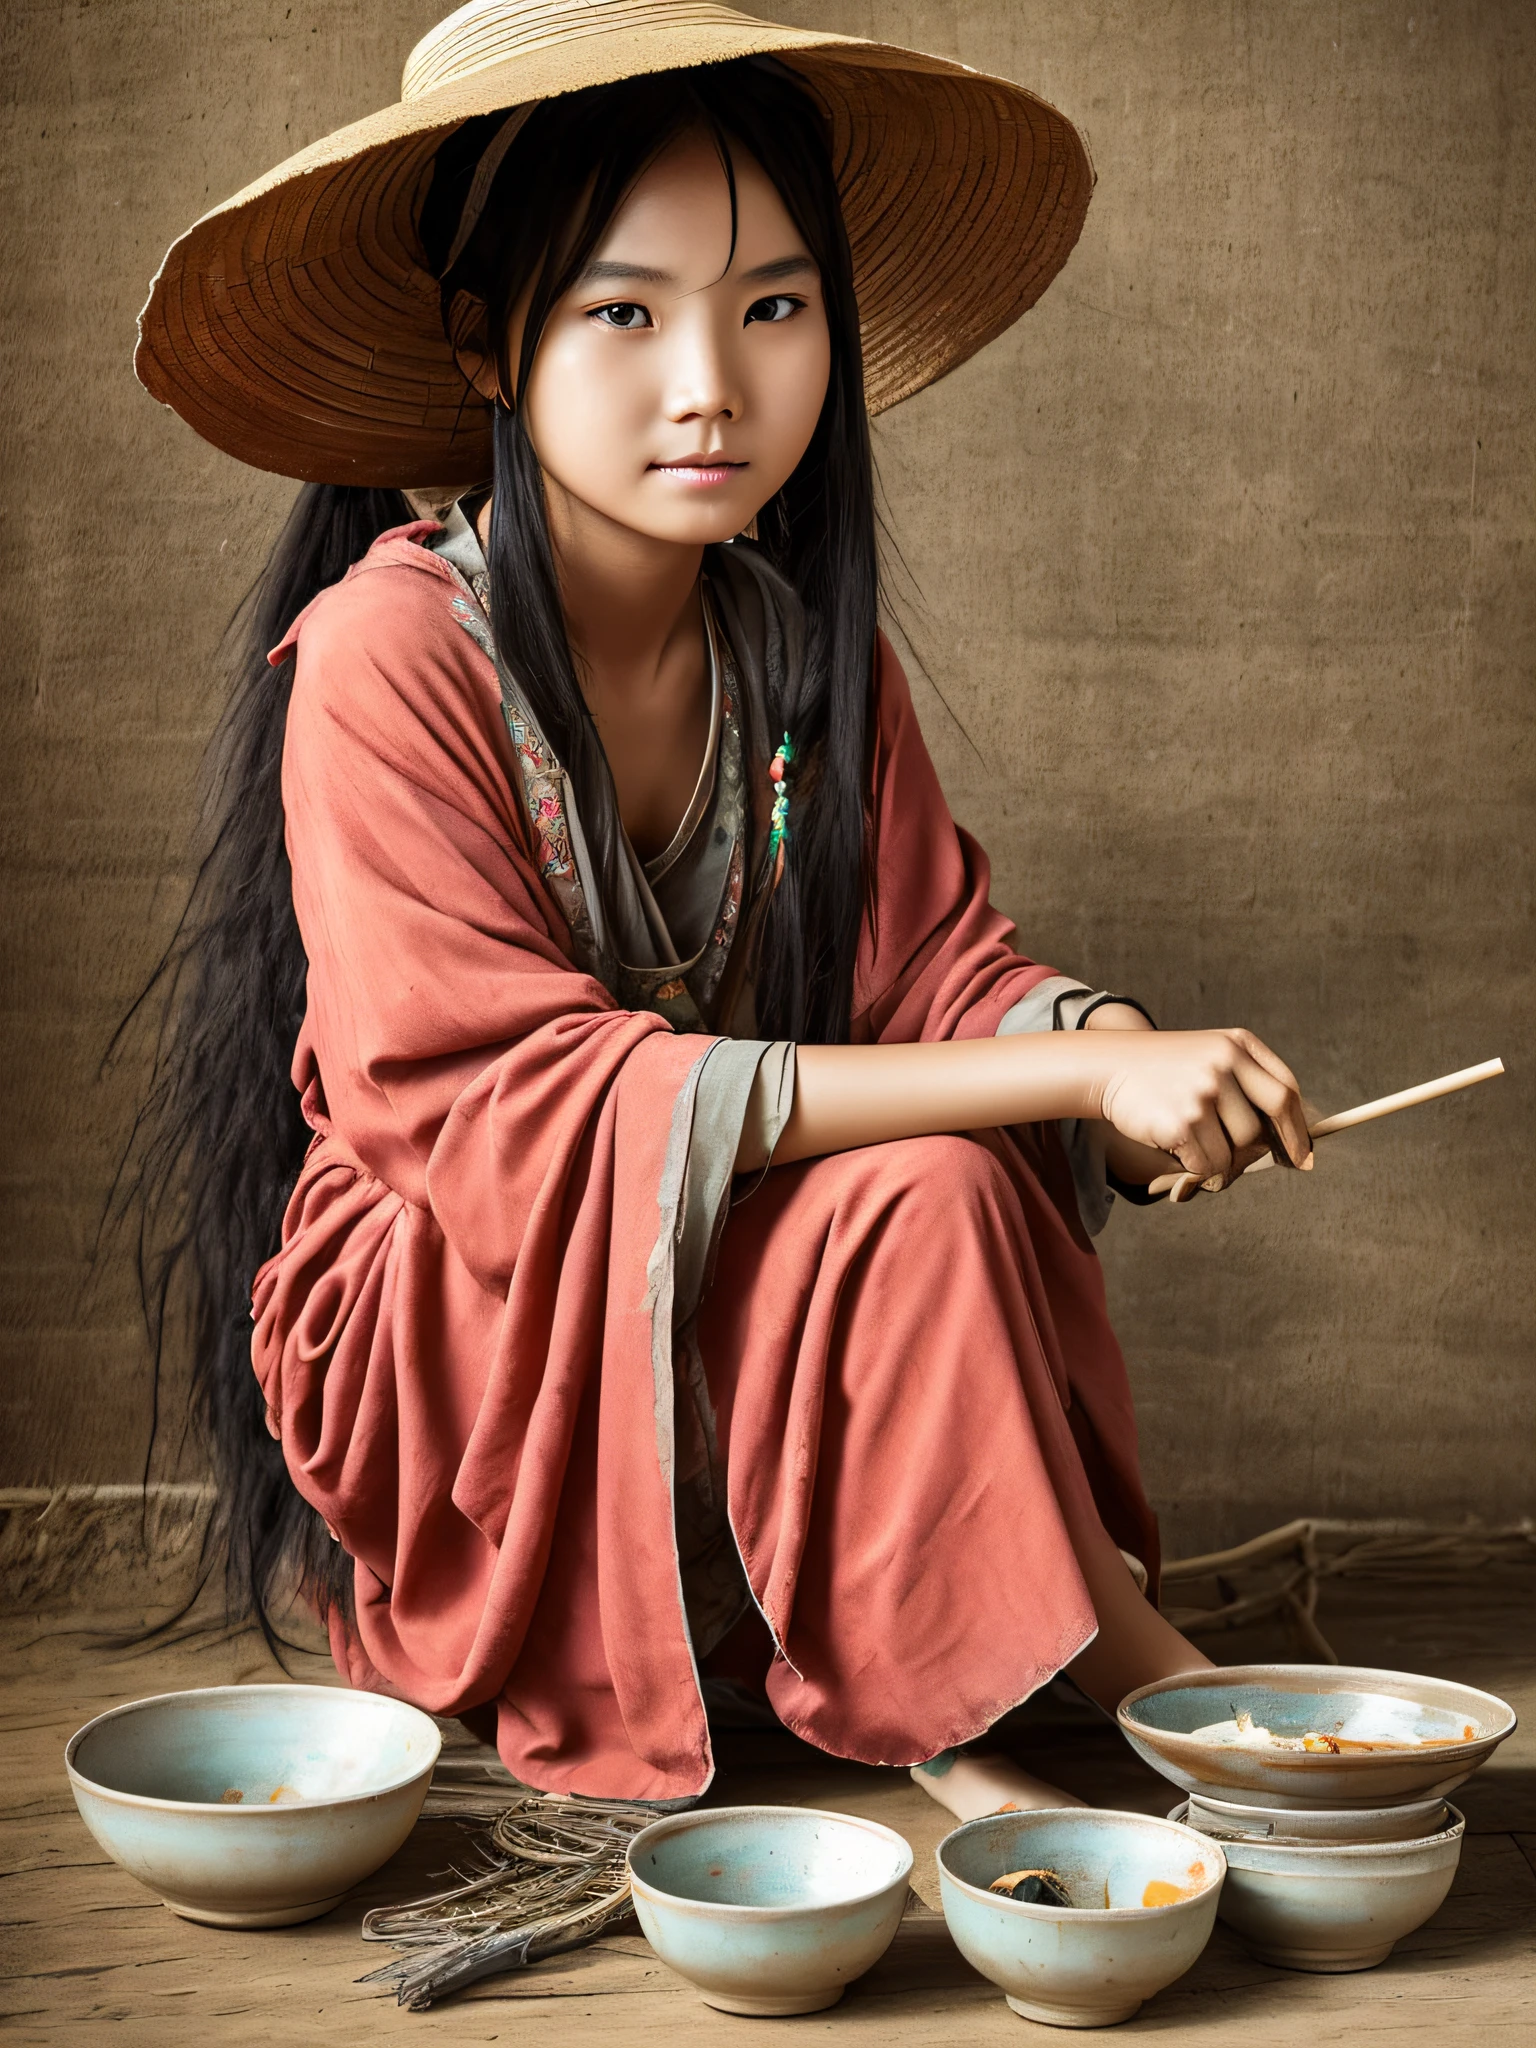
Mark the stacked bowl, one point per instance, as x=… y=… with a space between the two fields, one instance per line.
x=1325 y=1787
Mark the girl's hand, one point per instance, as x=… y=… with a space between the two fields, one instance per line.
x=1215 y=1100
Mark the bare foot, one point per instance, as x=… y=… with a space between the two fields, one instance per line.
x=970 y=1786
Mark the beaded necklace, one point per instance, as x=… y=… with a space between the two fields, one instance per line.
x=778 y=775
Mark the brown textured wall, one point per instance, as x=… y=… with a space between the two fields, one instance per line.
x=1224 y=557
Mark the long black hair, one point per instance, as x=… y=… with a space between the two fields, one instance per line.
x=219 y=1141
x=552 y=198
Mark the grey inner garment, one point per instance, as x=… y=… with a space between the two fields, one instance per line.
x=665 y=915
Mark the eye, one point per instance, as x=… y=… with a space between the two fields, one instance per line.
x=780 y=307
x=624 y=314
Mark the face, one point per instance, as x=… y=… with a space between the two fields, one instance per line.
x=669 y=394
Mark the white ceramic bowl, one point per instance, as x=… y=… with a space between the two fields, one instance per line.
x=1410 y=1822
x=769 y=1909
x=1432 y=1714
x=1090 y=1965
x=329 y=1785
x=1329 y=1907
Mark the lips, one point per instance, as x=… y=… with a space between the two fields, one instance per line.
x=700 y=471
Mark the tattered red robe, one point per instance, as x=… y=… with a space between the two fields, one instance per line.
x=470 y=1335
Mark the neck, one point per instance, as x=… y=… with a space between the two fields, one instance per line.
x=628 y=599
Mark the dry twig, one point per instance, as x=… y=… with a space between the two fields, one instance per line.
x=1282 y=1572
x=549 y=1876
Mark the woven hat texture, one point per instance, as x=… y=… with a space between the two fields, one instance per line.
x=296 y=328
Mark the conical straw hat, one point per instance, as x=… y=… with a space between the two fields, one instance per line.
x=296 y=328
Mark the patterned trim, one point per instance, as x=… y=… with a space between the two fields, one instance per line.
x=543 y=785
x=684 y=995
x=731 y=813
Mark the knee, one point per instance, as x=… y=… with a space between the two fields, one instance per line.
x=943 y=1184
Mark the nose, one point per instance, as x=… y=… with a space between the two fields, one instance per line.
x=703 y=383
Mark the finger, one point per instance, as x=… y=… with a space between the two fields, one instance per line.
x=1266 y=1144
x=1183 y=1187
x=1133 y=1162
x=1280 y=1102
x=1266 y=1057
x=1242 y=1162
x=1269 y=1149
x=1274 y=1144
x=1205 y=1152
x=1241 y=1121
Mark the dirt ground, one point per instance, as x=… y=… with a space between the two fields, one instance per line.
x=85 y=1946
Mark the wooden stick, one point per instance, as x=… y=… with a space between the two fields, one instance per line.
x=1406 y=1098
x=1180 y=1186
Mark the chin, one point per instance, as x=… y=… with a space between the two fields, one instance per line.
x=706 y=528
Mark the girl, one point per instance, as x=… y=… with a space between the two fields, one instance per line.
x=685 y=1269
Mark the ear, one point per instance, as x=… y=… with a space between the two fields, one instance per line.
x=469 y=334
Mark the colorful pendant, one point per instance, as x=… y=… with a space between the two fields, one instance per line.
x=778 y=832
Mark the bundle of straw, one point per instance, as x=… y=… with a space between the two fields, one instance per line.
x=549 y=1875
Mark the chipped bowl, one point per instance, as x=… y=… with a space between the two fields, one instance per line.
x=253 y=1805
x=769 y=1909
x=1144 y=1895
x=1329 y=1907
x=1452 y=1729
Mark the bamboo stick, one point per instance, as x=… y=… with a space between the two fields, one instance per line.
x=1407 y=1098
x=1180 y=1187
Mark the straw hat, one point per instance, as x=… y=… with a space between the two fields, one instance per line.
x=296 y=327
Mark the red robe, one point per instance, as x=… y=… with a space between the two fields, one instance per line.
x=461 y=1338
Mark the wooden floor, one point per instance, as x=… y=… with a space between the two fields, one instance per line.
x=85 y=1946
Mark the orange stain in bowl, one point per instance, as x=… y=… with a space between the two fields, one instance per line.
x=1161 y=1892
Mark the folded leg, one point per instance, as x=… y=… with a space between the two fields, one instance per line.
x=892 y=1396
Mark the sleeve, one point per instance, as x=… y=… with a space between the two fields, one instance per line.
x=1047 y=1007
x=746 y=1090
x=1061 y=1004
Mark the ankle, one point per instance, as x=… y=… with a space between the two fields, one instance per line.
x=970 y=1785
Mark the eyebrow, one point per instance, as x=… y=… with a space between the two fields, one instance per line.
x=783 y=266
x=605 y=271
x=599 y=272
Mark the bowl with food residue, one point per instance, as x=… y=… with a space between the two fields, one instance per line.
x=1331 y=1906
x=769 y=1909
x=1079 y=1915
x=253 y=1805
x=1324 y=1735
